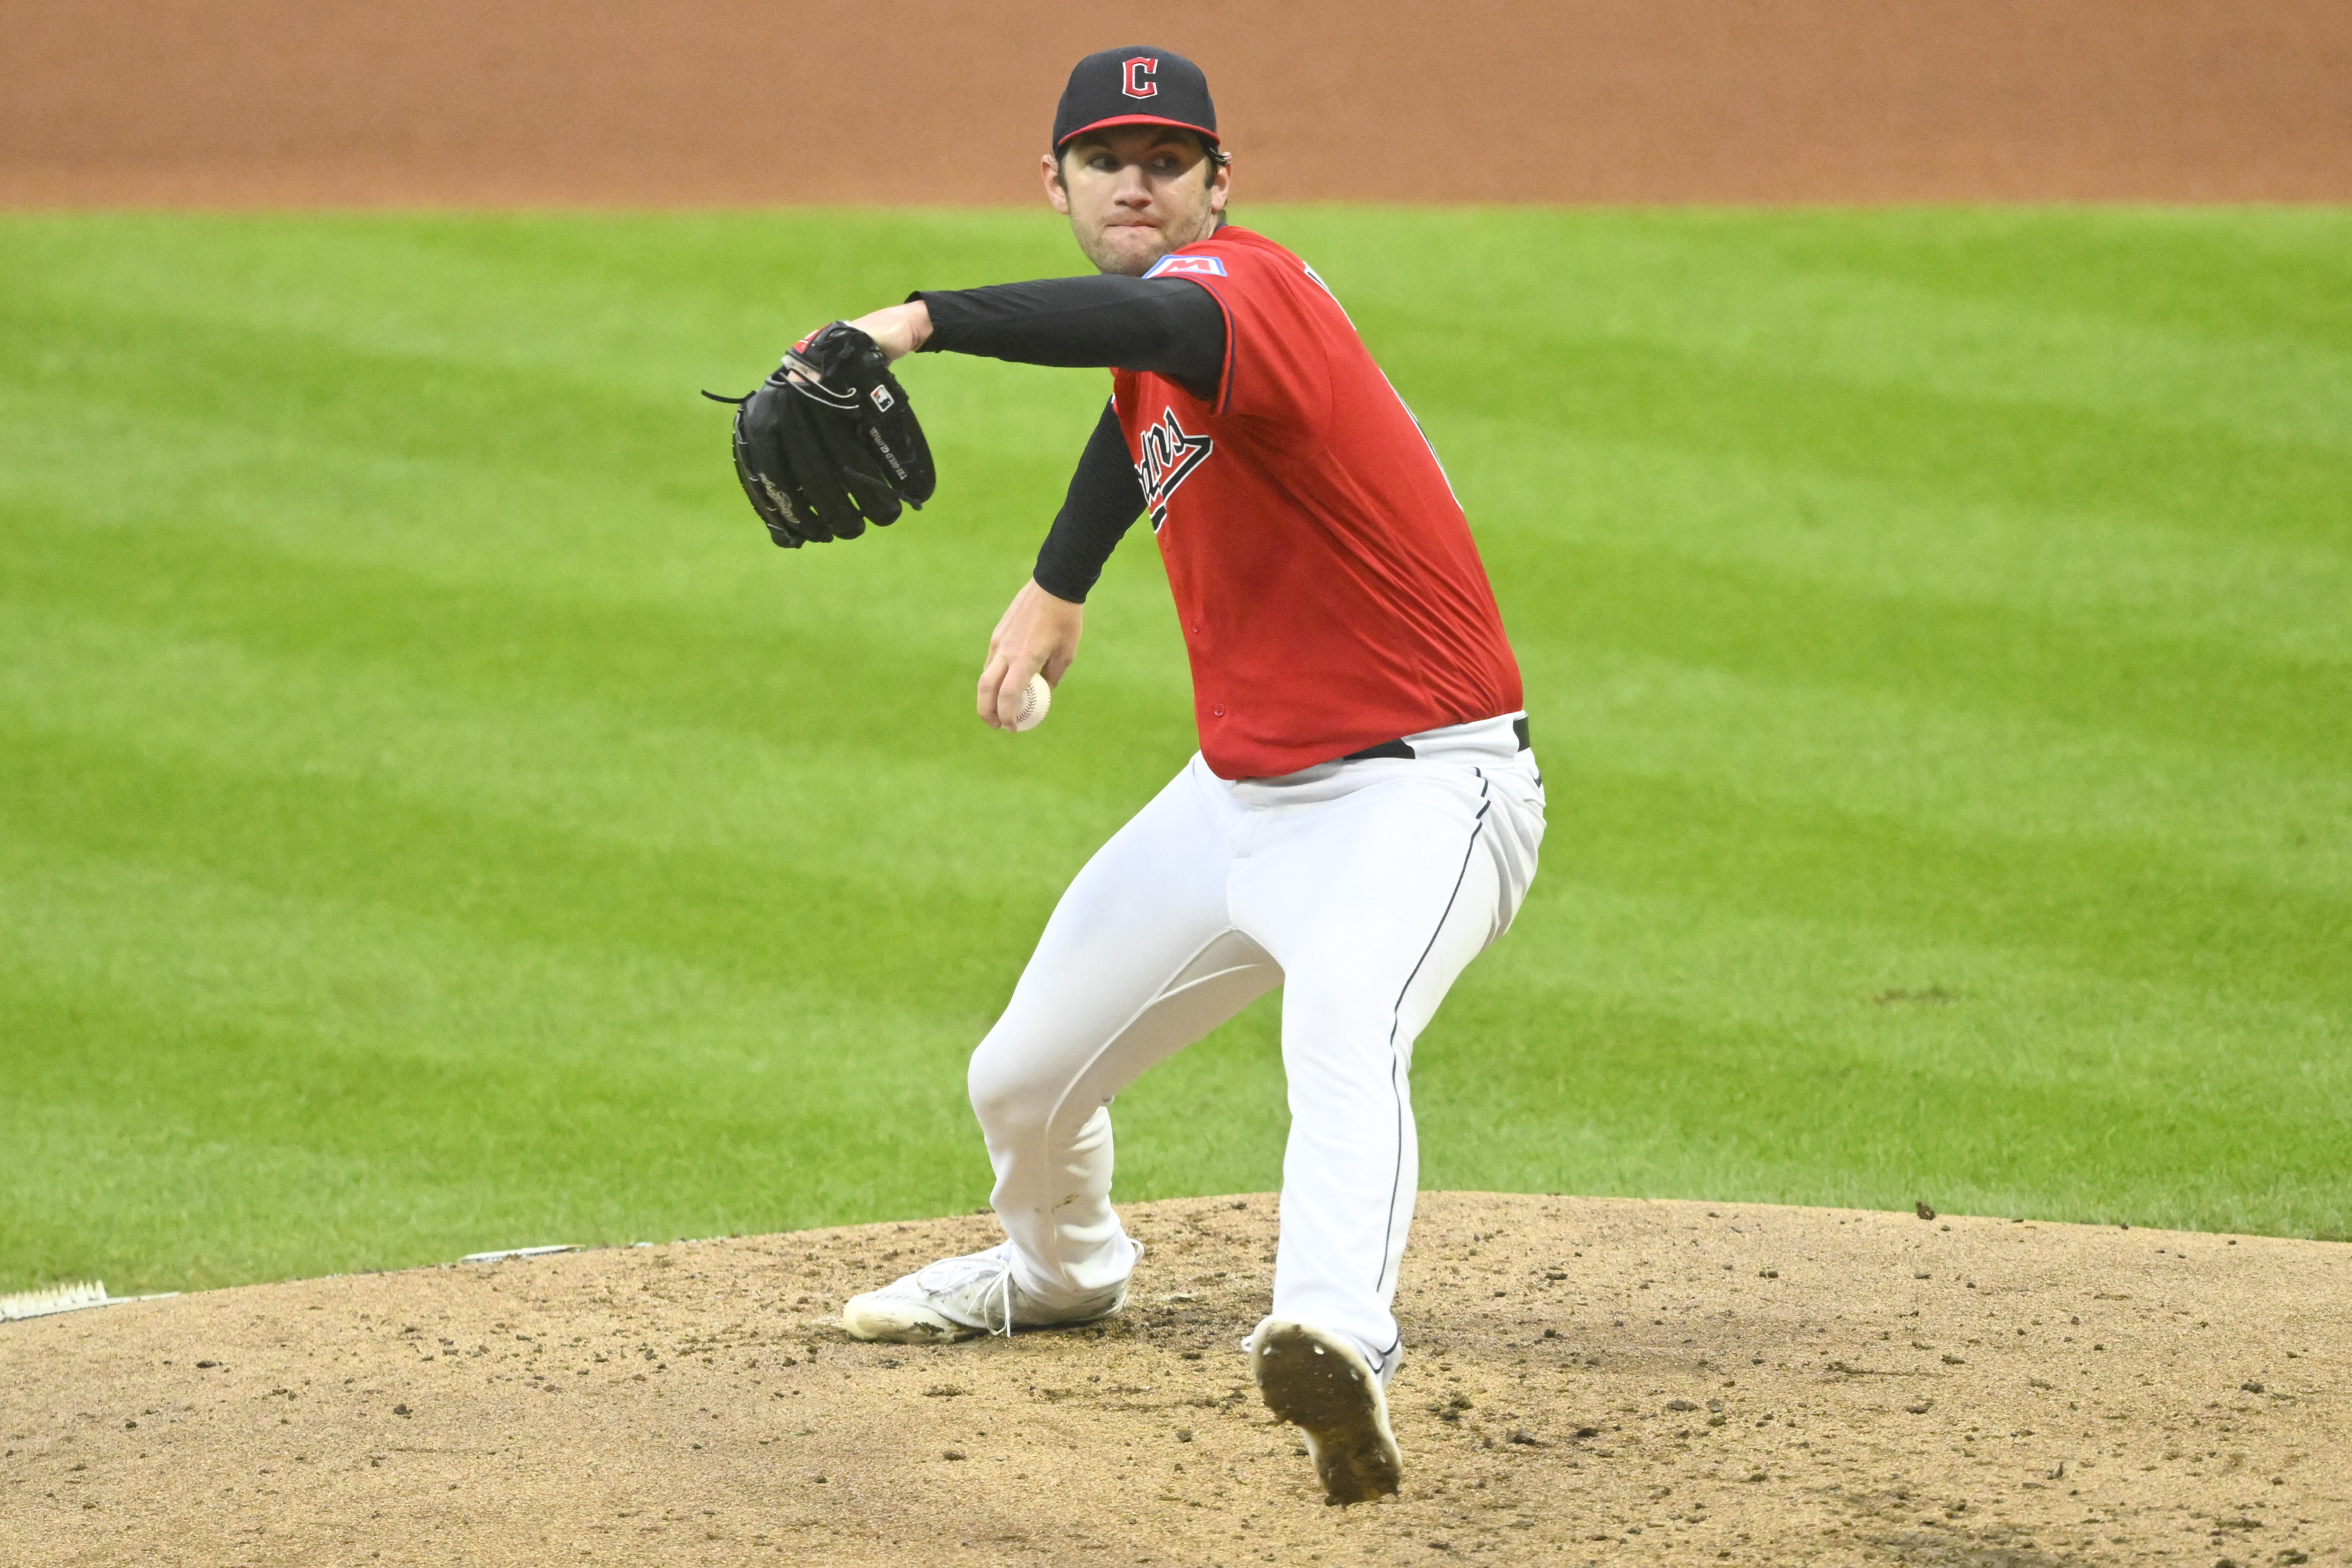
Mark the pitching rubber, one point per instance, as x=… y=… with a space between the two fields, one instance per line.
x=1325 y=1386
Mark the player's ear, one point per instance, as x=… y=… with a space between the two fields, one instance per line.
x=1050 y=167
x=1220 y=186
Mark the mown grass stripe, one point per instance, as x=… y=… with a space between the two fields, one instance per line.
x=431 y=816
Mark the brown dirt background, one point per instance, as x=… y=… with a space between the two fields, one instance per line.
x=1589 y=1381
x=665 y=103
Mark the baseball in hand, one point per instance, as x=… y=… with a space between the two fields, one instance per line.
x=1035 y=699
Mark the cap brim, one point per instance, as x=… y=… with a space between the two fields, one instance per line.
x=1137 y=120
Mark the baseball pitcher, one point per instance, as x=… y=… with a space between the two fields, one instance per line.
x=1363 y=814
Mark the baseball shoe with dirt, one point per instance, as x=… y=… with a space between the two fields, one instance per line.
x=1324 y=1384
x=958 y=1298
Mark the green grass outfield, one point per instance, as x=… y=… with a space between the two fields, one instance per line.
x=432 y=818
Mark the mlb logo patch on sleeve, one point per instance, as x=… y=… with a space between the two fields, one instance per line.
x=1197 y=265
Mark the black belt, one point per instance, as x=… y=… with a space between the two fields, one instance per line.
x=1404 y=749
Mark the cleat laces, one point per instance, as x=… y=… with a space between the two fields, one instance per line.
x=987 y=1276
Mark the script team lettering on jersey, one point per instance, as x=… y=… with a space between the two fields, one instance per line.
x=1170 y=456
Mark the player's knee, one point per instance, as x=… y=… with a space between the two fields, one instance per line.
x=1009 y=1095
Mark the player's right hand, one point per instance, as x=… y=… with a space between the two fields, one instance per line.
x=897 y=330
x=1037 y=633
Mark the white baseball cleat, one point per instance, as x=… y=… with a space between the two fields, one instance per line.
x=1323 y=1384
x=958 y=1298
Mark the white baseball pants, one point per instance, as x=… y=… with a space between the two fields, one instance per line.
x=1363 y=888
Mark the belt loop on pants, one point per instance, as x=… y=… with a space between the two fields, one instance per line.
x=1402 y=749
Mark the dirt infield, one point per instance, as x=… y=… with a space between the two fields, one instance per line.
x=1589 y=1381
x=659 y=102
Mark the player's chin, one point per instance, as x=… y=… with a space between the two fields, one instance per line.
x=1130 y=248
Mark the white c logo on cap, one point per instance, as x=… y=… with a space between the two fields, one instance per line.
x=1139 y=72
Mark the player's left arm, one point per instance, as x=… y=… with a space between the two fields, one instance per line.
x=1172 y=326
x=1037 y=635
x=1040 y=630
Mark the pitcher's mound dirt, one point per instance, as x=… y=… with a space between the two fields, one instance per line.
x=1592 y=1380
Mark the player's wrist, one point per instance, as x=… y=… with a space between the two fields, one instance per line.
x=897 y=330
x=1061 y=592
x=918 y=323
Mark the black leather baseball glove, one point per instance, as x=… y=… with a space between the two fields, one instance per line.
x=826 y=454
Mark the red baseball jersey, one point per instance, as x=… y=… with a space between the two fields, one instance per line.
x=1324 y=575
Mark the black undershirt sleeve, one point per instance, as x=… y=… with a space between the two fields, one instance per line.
x=1170 y=326
x=1166 y=325
x=1104 y=500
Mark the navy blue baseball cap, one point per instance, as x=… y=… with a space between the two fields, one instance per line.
x=1139 y=86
